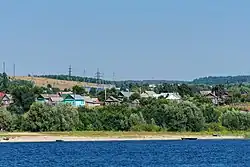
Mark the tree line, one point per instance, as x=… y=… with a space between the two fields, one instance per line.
x=193 y=113
x=153 y=115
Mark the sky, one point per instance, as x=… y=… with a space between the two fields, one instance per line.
x=135 y=39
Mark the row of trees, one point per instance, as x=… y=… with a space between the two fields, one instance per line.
x=154 y=115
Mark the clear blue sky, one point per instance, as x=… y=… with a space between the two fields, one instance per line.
x=163 y=39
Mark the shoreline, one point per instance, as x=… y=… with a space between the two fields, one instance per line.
x=53 y=138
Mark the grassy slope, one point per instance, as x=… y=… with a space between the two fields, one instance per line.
x=61 y=84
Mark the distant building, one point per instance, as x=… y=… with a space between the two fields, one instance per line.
x=112 y=101
x=152 y=86
x=148 y=94
x=91 y=102
x=173 y=96
x=53 y=99
x=74 y=100
x=5 y=99
x=123 y=94
x=214 y=98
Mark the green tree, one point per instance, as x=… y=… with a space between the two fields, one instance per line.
x=4 y=82
x=23 y=97
x=5 y=120
x=93 y=91
x=134 y=96
x=39 y=118
x=79 y=90
x=210 y=113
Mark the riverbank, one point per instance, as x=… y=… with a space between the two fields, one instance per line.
x=108 y=136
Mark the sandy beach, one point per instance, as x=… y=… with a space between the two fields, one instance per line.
x=27 y=137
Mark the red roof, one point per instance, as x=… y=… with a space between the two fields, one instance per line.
x=2 y=94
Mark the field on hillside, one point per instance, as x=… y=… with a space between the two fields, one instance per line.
x=61 y=84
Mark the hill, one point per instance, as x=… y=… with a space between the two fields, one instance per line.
x=212 y=80
x=61 y=84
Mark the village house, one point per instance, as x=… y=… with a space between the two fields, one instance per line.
x=91 y=102
x=214 y=98
x=208 y=94
x=5 y=99
x=112 y=101
x=74 y=100
x=173 y=96
x=169 y=96
x=53 y=99
x=148 y=94
x=124 y=94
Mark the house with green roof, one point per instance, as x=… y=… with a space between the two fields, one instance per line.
x=74 y=100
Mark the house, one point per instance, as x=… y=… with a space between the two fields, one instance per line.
x=123 y=94
x=74 y=100
x=152 y=86
x=164 y=95
x=173 y=96
x=205 y=92
x=54 y=100
x=6 y=99
x=91 y=102
x=48 y=98
x=112 y=101
x=216 y=99
x=148 y=94
x=65 y=93
x=210 y=95
x=2 y=94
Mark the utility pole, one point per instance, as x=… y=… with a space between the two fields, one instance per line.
x=3 y=67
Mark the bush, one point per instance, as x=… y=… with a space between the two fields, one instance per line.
x=146 y=127
x=215 y=127
x=5 y=120
x=236 y=120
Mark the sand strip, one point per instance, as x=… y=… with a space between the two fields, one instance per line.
x=72 y=138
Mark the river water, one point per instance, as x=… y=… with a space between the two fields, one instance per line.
x=200 y=153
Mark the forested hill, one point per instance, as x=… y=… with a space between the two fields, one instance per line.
x=212 y=80
x=223 y=80
x=117 y=83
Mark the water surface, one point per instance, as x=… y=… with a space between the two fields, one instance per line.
x=200 y=153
